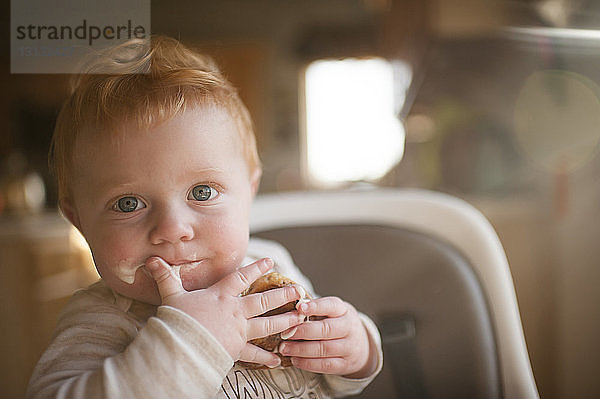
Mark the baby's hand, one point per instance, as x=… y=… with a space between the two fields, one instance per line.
x=229 y=317
x=337 y=344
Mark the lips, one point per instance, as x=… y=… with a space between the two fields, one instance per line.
x=182 y=262
x=185 y=265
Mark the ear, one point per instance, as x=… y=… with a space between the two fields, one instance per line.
x=68 y=210
x=255 y=180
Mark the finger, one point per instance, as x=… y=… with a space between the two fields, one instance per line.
x=262 y=302
x=316 y=349
x=259 y=327
x=328 y=306
x=329 y=328
x=238 y=281
x=329 y=365
x=168 y=282
x=253 y=354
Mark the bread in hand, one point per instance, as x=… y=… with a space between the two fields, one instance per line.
x=271 y=343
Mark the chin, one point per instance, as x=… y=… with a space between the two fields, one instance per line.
x=198 y=278
x=142 y=290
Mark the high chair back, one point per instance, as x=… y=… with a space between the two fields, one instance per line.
x=429 y=269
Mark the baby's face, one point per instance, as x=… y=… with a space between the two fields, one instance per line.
x=181 y=191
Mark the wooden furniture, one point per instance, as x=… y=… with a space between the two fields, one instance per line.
x=43 y=259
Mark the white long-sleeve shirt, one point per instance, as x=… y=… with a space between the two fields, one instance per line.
x=109 y=346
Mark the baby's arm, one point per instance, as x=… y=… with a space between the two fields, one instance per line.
x=97 y=353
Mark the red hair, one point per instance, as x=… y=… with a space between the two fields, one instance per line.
x=141 y=84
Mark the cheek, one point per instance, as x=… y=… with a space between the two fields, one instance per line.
x=114 y=247
x=116 y=254
x=226 y=241
x=233 y=235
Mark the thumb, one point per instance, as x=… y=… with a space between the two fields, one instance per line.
x=168 y=282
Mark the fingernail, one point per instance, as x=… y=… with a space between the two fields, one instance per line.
x=282 y=348
x=301 y=290
x=152 y=264
x=302 y=306
x=289 y=333
x=277 y=363
x=269 y=262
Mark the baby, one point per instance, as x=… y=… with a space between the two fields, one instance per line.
x=157 y=167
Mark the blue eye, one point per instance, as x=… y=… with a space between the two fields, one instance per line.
x=202 y=192
x=128 y=204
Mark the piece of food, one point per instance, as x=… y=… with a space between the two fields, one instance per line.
x=271 y=343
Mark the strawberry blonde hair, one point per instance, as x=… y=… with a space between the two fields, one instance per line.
x=141 y=84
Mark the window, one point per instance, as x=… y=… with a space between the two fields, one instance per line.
x=352 y=132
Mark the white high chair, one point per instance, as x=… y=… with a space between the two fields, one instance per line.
x=429 y=269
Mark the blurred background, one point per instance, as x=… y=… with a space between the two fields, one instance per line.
x=495 y=102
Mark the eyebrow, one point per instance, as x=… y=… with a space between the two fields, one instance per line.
x=107 y=190
x=127 y=186
x=203 y=171
x=207 y=170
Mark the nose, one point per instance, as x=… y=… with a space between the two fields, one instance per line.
x=171 y=224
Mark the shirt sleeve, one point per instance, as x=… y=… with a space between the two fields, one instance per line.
x=98 y=352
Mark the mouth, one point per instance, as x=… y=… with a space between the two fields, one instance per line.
x=127 y=270
x=183 y=262
x=184 y=267
x=186 y=264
